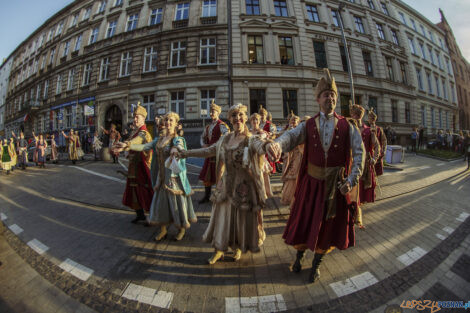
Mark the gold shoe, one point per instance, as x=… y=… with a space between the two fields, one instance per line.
x=238 y=254
x=162 y=235
x=180 y=234
x=215 y=257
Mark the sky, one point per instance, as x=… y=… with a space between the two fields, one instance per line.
x=18 y=19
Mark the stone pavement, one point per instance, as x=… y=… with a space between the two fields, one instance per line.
x=71 y=230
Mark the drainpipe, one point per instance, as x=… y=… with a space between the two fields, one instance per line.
x=230 y=70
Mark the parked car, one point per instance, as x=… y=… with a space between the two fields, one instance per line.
x=32 y=147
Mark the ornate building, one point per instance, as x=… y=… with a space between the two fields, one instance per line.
x=5 y=68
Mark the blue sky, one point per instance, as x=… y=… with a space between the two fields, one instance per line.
x=18 y=19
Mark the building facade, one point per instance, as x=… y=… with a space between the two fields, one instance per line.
x=461 y=69
x=92 y=62
x=4 y=78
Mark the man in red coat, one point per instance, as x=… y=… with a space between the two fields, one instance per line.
x=210 y=136
x=322 y=215
x=268 y=127
x=138 y=194
x=379 y=132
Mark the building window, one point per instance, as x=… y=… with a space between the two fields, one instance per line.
x=117 y=2
x=407 y=113
x=149 y=105
x=433 y=118
x=252 y=7
x=150 y=59
x=156 y=16
x=68 y=117
x=423 y=116
x=404 y=77
x=102 y=7
x=440 y=118
x=372 y=103
x=312 y=13
x=438 y=57
x=206 y=98
x=255 y=49
x=429 y=80
x=344 y=60
x=402 y=17
x=394 y=37
x=380 y=31
x=444 y=89
x=438 y=88
x=66 y=48
x=207 y=51
x=320 y=54
x=367 y=63
x=132 y=21
x=442 y=44
x=449 y=68
x=447 y=120
x=419 y=77
x=280 y=8
x=423 y=53
x=286 y=50
x=46 y=89
x=126 y=64
x=70 y=79
x=182 y=11
x=413 y=24
x=78 y=42
x=431 y=36
x=94 y=35
x=104 y=69
x=111 y=29
x=388 y=62
x=394 y=111
x=87 y=74
x=178 y=54
x=257 y=98
x=58 y=88
x=289 y=101
x=431 y=55
x=209 y=8
x=177 y=103
x=412 y=45
x=51 y=58
x=371 y=4
x=74 y=20
x=38 y=92
x=452 y=91
x=59 y=29
x=384 y=8
x=359 y=24
x=87 y=14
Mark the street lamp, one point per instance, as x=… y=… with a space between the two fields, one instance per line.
x=346 y=51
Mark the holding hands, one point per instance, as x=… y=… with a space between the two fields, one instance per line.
x=274 y=151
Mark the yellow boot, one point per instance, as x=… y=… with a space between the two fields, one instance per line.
x=216 y=256
x=238 y=254
x=180 y=234
x=162 y=234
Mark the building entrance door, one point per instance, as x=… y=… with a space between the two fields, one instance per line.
x=113 y=116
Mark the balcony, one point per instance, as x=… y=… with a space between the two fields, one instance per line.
x=180 y=23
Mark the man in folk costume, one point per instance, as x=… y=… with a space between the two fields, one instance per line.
x=379 y=132
x=322 y=215
x=22 y=146
x=138 y=194
x=269 y=128
x=210 y=136
x=114 y=137
x=367 y=182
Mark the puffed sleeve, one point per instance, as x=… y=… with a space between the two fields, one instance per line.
x=292 y=138
x=358 y=155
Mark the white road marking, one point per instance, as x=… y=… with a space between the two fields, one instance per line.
x=38 y=246
x=100 y=175
x=3 y=217
x=15 y=229
x=411 y=256
x=263 y=304
x=440 y=164
x=423 y=167
x=80 y=271
x=448 y=229
x=462 y=217
x=353 y=284
x=147 y=295
x=123 y=166
x=163 y=299
x=442 y=237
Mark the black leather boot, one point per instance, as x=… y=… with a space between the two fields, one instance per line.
x=140 y=216
x=315 y=271
x=297 y=266
x=207 y=195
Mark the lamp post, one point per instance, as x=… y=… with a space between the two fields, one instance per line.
x=346 y=51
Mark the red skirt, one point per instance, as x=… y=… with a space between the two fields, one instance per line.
x=141 y=187
x=306 y=224
x=367 y=195
x=379 y=166
x=207 y=174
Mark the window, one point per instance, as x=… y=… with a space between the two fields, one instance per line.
x=289 y=102
x=373 y=104
x=335 y=16
x=182 y=11
x=150 y=59
x=359 y=25
x=177 y=103
x=126 y=64
x=87 y=14
x=438 y=88
x=407 y=113
x=156 y=16
x=433 y=118
x=252 y=7
x=394 y=111
x=257 y=98
x=87 y=74
x=38 y=92
x=367 y=63
x=412 y=45
x=102 y=7
x=78 y=42
x=419 y=78
x=68 y=117
x=60 y=28
x=438 y=57
x=452 y=91
x=50 y=36
x=58 y=88
x=255 y=50
x=66 y=48
x=388 y=62
x=280 y=8
x=149 y=105
x=423 y=31
x=46 y=89
x=117 y=2
x=429 y=80
x=206 y=97
x=431 y=36
x=74 y=20
x=286 y=50
x=449 y=68
x=423 y=116
x=440 y=118
x=132 y=21
x=380 y=31
x=442 y=44
x=209 y=8
x=344 y=60
x=111 y=29
x=70 y=79
x=104 y=69
x=178 y=54
x=402 y=17
x=413 y=24
x=94 y=35
x=431 y=55
x=444 y=89
x=384 y=8
x=312 y=13
x=447 y=120
x=423 y=53
x=320 y=54
x=207 y=51
x=394 y=37
x=371 y=4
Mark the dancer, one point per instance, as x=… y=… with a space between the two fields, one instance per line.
x=114 y=137
x=22 y=146
x=210 y=136
x=380 y=134
x=97 y=144
x=6 y=156
x=71 y=146
x=321 y=216
x=14 y=156
x=41 y=146
x=240 y=191
x=54 y=151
